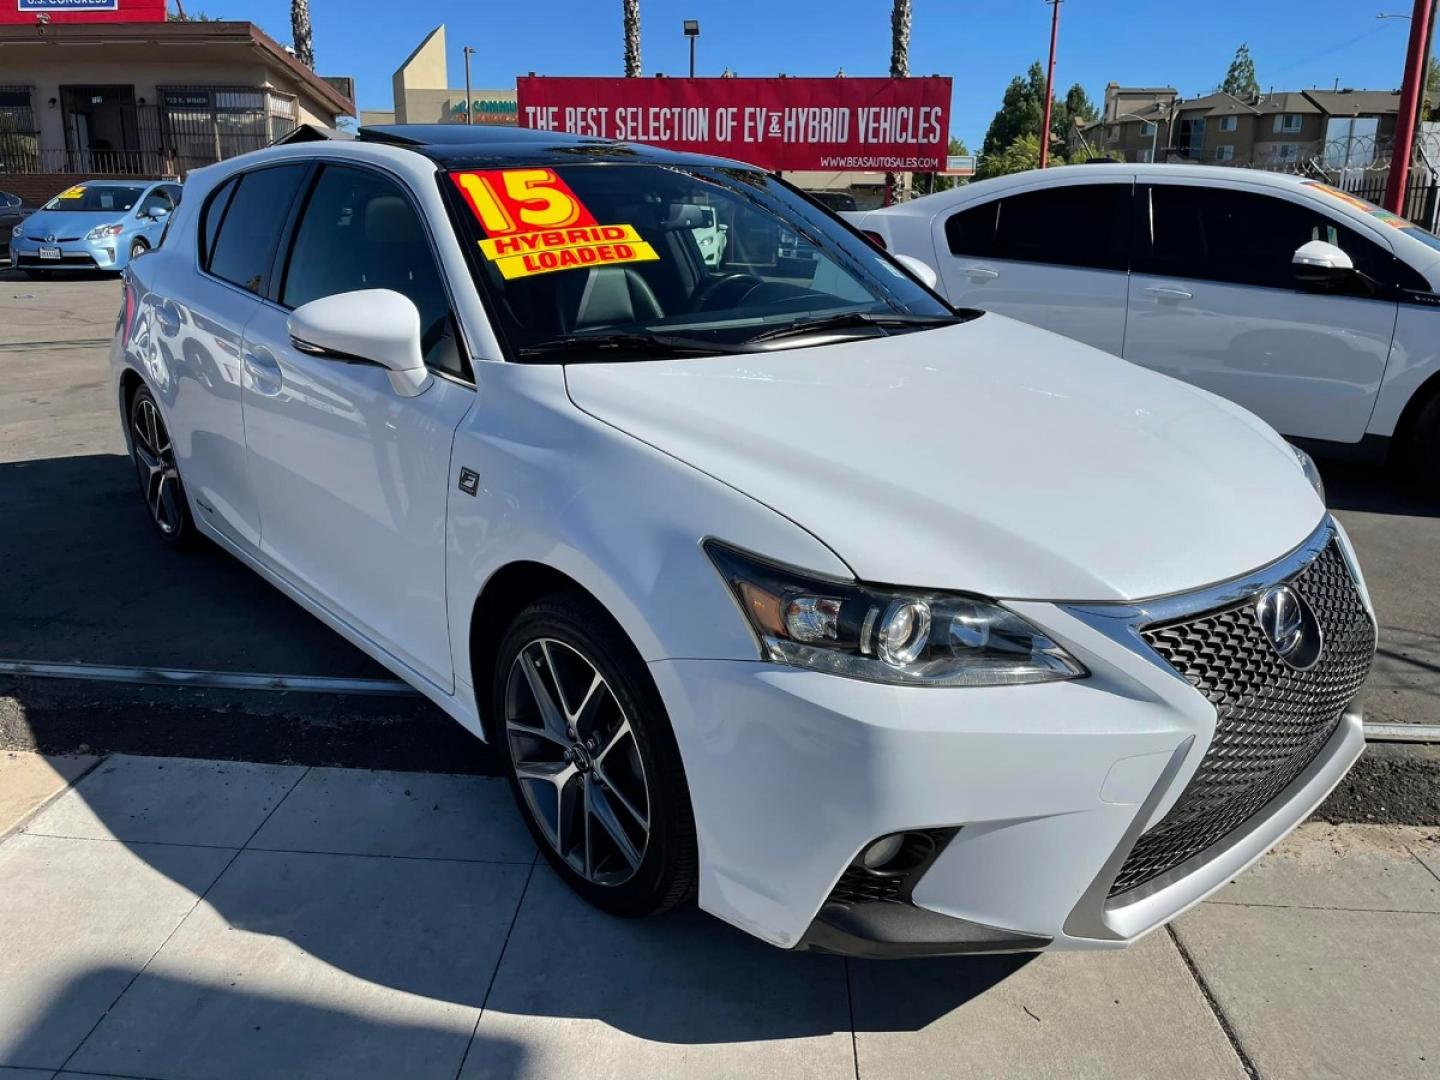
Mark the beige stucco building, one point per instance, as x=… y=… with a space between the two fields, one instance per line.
x=423 y=94
x=147 y=99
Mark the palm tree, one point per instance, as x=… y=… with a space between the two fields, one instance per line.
x=899 y=66
x=632 y=38
x=304 y=36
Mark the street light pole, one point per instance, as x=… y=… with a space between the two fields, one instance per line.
x=1049 y=82
x=469 y=103
x=1154 y=132
x=1412 y=93
x=692 y=31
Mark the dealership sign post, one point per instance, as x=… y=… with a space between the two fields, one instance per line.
x=895 y=125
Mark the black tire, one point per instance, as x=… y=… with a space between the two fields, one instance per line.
x=37 y=275
x=156 y=471
x=1422 y=449
x=137 y=248
x=666 y=871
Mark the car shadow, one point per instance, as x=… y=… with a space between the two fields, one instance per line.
x=1374 y=489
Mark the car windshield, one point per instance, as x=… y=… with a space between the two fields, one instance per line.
x=616 y=261
x=93 y=200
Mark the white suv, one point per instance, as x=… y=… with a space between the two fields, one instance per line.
x=1314 y=309
x=887 y=629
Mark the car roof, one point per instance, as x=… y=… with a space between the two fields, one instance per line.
x=460 y=146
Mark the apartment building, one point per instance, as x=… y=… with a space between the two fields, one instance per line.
x=1339 y=128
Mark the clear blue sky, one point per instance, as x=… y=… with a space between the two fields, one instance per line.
x=981 y=43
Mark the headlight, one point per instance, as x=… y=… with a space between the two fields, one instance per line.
x=1307 y=466
x=898 y=636
x=15 y=232
x=101 y=232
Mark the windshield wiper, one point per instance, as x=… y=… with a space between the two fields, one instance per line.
x=856 y=320
x=615 y=346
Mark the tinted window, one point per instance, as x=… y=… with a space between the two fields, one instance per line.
x=1246 y=238
x=245 y=248
x=210 y=223
x=159 y=199
x=1076 y=225
x=96 y=199
x=360 y=231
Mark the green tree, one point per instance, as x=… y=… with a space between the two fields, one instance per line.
x=929 y=183
x=1240 y=78
x=1023 y=153
x=1432 y=87
x=1021 y=111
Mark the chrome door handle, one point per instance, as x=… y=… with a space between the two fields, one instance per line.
x=1165 y=293
x=980 y=273
x=261 y=362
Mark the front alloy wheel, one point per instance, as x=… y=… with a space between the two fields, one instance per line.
x=155 y=468
x=578 y=766
x=592 y=759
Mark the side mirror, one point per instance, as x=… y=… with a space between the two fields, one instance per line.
x=921 y=269
x=159 y=213
x=370 y=326
x=1320 y=262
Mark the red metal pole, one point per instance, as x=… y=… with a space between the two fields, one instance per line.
x=1412 y=92
x=1050 y=81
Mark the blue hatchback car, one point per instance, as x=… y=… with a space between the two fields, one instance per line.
x=97 y=225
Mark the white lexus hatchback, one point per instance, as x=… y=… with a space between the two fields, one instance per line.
x=889 y=629
x=1316 y=310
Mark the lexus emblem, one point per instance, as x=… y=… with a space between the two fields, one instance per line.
x=1290 y=625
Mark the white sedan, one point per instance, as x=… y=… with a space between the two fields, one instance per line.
x=884 y=628
x=1313 y=309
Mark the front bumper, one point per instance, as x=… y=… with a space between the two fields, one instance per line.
x=75 y=255
x=1040 y=792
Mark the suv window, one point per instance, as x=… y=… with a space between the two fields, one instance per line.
x=359 y=230
x=244 y=250
x=1074 y=225
x=1245 y=238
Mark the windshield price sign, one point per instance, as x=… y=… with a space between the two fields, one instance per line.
x=534 y=224
x=824 y=124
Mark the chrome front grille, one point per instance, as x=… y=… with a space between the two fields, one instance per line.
x=1272 y=720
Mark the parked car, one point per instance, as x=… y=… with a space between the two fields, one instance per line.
x=834 y=200
x=710 y=234
x=1314 y=309
x=889 y=629
x=95 y=225
x=12 y=212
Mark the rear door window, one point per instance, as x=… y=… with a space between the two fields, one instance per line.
x=1081 y=225
x=243 y=252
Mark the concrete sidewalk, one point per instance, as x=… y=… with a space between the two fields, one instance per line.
x=176 y=918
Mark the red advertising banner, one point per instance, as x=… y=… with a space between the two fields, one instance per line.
x=838 y=123
x=81 y=11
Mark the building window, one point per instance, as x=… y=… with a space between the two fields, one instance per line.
x=19 y=137
x=1287 y=152
x=1147 y=129
x=1289 y=123
x=1191 y=143
x=1112 y=134
x=1229 y=123
x=1144 y=156
x=201 y=125
x=1224 y=153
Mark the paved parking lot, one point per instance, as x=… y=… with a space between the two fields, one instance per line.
x=177 y=918
x=175 y=915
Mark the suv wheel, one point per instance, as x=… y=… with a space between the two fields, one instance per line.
x=155 y=468
x=592 y=759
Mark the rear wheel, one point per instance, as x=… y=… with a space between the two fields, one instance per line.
x=155 y=468
x=1422 y=450
x=592 y=759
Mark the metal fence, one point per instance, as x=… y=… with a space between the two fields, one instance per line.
x=189 y=127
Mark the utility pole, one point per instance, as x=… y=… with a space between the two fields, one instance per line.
x=469 y=103
x=1050 y=82
x=1412 y=93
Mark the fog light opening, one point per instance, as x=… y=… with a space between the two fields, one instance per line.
x=882 y=851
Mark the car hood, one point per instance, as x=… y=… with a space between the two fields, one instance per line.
x=71 y=222
x=990 y=457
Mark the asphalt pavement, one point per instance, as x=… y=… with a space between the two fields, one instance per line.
x=87 y=582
